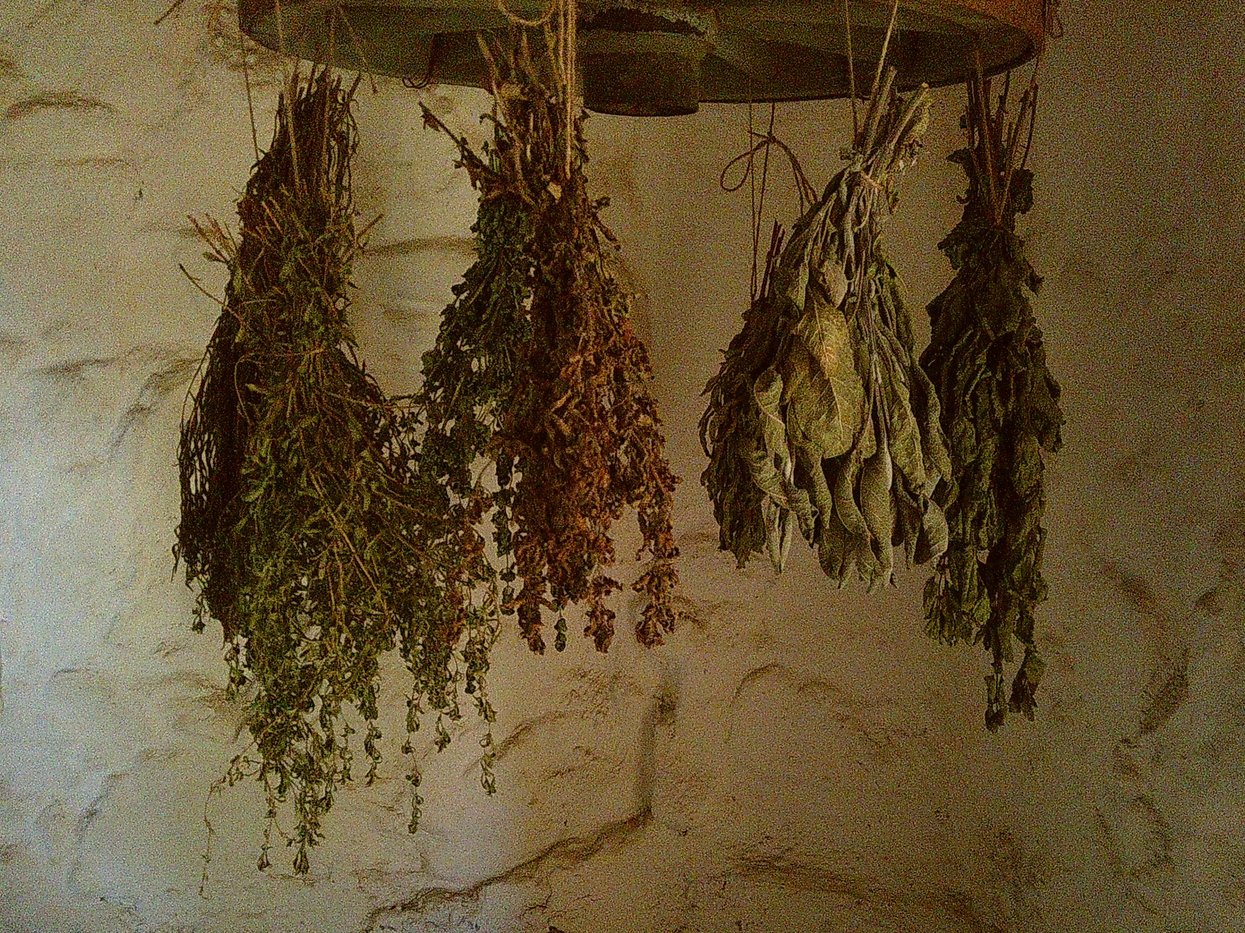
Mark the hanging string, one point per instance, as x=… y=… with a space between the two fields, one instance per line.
x=762 y=143
x=570 y=13
x=355 y=43
x=758 y=205
x=562 y=42
x=518 y=20
x=434 y=53
x=851 y=68
x=250 y=99
x=559 y=23
x=804 y=188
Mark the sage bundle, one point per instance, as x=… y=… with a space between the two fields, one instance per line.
x=302 y=518
x=1000 y=409
x=579 y=437
x=820 y=418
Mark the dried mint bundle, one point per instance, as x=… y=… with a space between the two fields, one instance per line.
x=578 y=440
x=1000 y=409
x=303 y=519
x=820 y=417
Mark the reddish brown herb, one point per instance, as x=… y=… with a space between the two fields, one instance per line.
x=582 y=430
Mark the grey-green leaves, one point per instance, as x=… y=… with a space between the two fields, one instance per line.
x=820 y=418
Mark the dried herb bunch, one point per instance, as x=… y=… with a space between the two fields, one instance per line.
x=820 y=417
x=469 y=379
x=580 y=436
x=302 y=517
x=1000 y=408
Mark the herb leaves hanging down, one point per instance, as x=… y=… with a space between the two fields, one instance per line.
x=1000 y=409
x=469 y=378
x=580 y=433
x=301 y=513
x=820 y=417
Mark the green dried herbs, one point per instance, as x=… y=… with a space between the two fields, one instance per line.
x=469 y=378
x=1000 y=409
x=820 y=417
x=304 y=521
x=325 y=524
x=579 y=436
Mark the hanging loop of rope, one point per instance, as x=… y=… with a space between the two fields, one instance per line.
x=518 y=20
x=761 y=145
x=434 y=54
x=805 y=189
x=559 y=23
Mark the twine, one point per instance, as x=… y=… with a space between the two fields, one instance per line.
x=558 y=22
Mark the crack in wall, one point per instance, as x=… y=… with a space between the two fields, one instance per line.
x=79 y=366
x=155 y=389
x=1169 y=691
x=755 y=676
x=1138 y=836
x=781 y=871
x=563 y=853
x=558 y=856
x=879 y=726
x=525 y=731
x=415 y=246
x=57 y=101
x=169 y=376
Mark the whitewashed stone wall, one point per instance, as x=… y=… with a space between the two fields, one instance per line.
x=795 y=759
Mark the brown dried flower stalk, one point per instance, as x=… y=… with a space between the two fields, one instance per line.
x=582 y=429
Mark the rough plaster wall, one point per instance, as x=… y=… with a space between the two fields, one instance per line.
x=795 y=758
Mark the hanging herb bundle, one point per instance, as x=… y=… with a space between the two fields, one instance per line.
x=469 y=378
x=1000 y=408
x=302 y=517
x=579 y=436
x=820 y=417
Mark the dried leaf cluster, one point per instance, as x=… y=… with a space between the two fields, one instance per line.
x=305 y=523
x=469 y=378
x=578 y=439
x=325 y=524
x=1000 y=409
x=820 y=417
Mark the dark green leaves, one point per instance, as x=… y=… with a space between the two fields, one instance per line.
x=1000 y=409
